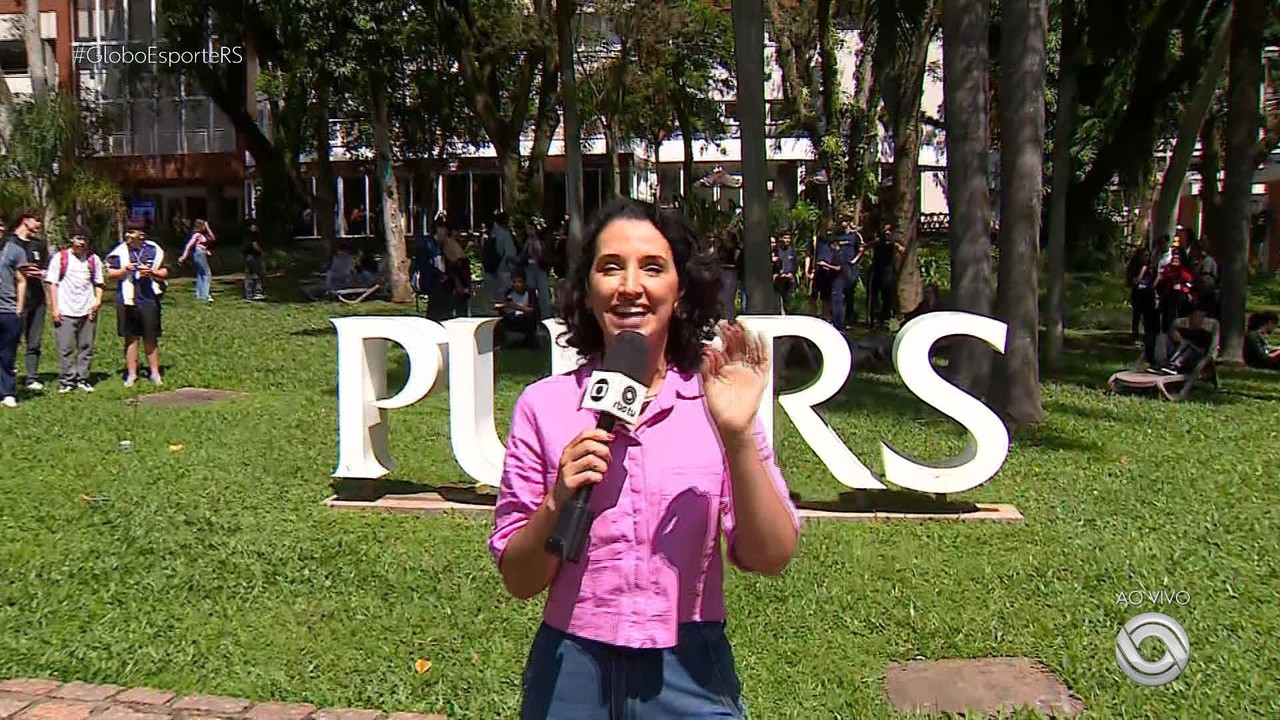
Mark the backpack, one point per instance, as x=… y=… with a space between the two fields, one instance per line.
x=62 y=265
x=489 y=257
x=429 y=262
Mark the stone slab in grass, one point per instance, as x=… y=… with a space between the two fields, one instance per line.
x=992 y=686
x=188 y=397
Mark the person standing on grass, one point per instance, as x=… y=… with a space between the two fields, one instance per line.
x=74 y=287
x=13 y=294
x=253 y=269
x=25 y=234
x=637 y=627
x=198 y=250
x=137 y=265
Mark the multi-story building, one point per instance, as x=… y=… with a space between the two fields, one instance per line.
x=172 y=150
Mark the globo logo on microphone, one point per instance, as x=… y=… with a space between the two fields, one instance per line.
x=363 y=404
x=616 y=394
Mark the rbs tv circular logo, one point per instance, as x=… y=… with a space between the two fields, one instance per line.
x=599 y=389
x=1167 y=631
x=628 y=395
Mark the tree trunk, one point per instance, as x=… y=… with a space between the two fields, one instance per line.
x=509 y=165
x=565 y=10
x=748 y=34
x=686 y=165
x=1064 y=129
x=1244 y=81
x=35 y=49
x=827 y=68
x=1210 y=173
x=1016 y=391
x=326 y=195
x=904 y=88
x=614 y=167
x=862 y=144
x=966 y=66
x=1165 y=214
x=392 y=221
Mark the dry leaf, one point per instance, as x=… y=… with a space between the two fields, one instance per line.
x=422 y=666
x=177 y=448
x=475 y=658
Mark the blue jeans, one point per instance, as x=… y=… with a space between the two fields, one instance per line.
x=569 y=678
x=842 y=291
x=203 y=276
x=10 y=331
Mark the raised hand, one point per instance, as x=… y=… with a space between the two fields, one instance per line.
x=733 y=379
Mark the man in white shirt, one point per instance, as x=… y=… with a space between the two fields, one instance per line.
x=137 y=265
x=73 y=284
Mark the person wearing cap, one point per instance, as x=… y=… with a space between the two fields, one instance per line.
x=137 y=264
x=74 y=289
x=26 y=229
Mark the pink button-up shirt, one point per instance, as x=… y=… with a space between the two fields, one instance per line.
x=653 y=556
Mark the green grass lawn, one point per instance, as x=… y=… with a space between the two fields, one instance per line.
x=216 y=568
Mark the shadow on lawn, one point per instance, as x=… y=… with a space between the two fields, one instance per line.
x=366 y=490
x=888 y=501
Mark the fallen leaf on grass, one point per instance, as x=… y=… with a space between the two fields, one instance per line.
x=422 y=666
x=176 y=447
x=475 y=658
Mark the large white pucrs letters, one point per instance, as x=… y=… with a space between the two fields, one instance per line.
x=468 y=345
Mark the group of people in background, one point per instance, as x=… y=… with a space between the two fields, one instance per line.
x=66 y=285
x=1171 y=281
x=518 y=261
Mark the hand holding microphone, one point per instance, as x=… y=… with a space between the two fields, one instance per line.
x=583 y=462
x=617 y=392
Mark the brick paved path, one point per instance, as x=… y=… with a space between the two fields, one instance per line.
x=28 y=699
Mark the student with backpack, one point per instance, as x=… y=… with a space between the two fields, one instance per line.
x=74 y=287
x=431 y=280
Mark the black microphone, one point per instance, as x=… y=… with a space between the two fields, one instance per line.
x=617 y=392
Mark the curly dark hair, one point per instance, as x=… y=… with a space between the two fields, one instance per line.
x=696 y=314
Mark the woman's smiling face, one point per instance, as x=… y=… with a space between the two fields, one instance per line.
x=633 y=283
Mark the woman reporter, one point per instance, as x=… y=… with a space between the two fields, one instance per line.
x=636 y=629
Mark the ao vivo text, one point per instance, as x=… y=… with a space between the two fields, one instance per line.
x=1153 y=597
x=465 y=346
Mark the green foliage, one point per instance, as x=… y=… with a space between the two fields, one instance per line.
x=42 y=167
x=708 y=216
x=657 y=64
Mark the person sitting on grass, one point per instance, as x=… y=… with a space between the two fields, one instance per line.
x=519 y=311
x=1197 y=338
x=1257 y=353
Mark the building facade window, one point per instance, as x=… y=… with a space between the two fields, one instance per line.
x=143 y=108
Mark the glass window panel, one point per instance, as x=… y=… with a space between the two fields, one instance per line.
x=113 y=20
x=142 y=83
x=140 y=21
x=169 y=84
x=143 y=115
x=197 y=117
x=86 y=14
x=114 y=82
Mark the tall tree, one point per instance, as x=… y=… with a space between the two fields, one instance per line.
x=566 y=43
x=966 y=66
x=748 y=31
x=1016 y=391
x=1244 y=81
x=37 y=63
x=905 y=30
x=1143 y=58
x=1063 y=173
x=507 y=58
x=1194 y=112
